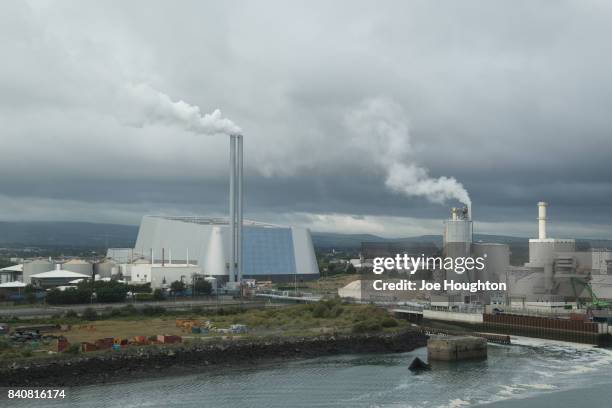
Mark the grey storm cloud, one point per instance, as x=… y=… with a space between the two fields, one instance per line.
x=508 y=98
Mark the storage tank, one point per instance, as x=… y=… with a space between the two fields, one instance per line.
x=78 y=266
x=497 y=260
x=215 y=263
x=105 y=268
x=32 y=267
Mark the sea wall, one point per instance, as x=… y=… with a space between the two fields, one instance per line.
x=150 y=361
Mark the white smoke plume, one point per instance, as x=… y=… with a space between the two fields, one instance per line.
x=144 y=104
x=380 y=126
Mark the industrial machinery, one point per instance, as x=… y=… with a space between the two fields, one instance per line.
x=595 y=302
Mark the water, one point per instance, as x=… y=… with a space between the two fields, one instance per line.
x=535 y=374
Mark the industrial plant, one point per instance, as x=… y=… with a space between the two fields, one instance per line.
x=224 y=251
x=557 y=276
x=168 y=247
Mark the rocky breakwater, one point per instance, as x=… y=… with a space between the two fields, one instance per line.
x=154 y=361
x=456 y=348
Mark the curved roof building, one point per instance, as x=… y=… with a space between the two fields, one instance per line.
x=270 y=252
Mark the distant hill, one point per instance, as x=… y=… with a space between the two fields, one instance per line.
x=92 y=235
x=67 y=234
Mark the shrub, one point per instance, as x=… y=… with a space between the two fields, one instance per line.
x=128 y=310
x=89 y=314
x=74 y=349
x=336 y=311
x=71 y=314
x=158 y=295
x=177 y=286
x=366 y=326
x=320 y=310
x=389 y=322
x=152 y=310
x=69 y=296
x=111 y=292
x=227 y=311
x=30 y=297
x=202 y=287
x=144 y=296
x=115 y=313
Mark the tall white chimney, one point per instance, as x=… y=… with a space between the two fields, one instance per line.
x=239 y=212
x=542 y=219
x=232 y=210
x=236 y=202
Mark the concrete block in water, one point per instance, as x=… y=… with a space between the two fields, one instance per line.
x=454 y=348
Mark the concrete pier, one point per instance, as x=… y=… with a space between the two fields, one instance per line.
x=455 y=348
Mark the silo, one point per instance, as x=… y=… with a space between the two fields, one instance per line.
x=78 y=266
x=105 y=268
x=497 y=260
x=35 y=266
x=458 y=240
x=215 y=263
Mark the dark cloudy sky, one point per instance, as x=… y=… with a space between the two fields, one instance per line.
x=511 y=98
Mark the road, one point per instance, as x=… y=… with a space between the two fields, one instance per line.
x=48 y=311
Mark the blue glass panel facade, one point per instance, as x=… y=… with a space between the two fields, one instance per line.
x=267 y=251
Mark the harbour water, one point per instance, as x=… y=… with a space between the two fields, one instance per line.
x=531 y=373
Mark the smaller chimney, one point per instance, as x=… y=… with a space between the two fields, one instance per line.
x=542 y=219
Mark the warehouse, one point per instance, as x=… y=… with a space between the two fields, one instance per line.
x=270 y=252
x=57 y=277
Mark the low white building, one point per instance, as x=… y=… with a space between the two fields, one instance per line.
x=160 y=275
x=56 y=278
x=11 y=273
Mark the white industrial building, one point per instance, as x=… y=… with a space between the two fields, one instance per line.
x=159 y=275
x=557 y=273
x=56 y=277
x=172 y=247
x=11 y=273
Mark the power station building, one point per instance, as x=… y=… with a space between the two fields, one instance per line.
x=270 y=252
x=557 y=273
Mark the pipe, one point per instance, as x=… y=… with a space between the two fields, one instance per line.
x=239 y=212
x=542 y=219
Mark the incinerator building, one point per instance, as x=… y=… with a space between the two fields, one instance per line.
x=270 y=252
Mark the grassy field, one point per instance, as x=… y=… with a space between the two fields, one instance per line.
x=312 y=319
x=296 y=320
